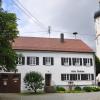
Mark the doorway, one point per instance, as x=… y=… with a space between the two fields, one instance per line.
x=47 y=79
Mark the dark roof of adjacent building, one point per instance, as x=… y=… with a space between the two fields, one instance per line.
x=97 y=14
x=50 y=44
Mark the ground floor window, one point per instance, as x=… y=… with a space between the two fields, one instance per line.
x=63 y=77
x=76 y=77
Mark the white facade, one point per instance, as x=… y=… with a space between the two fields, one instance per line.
x=97 y=25
x=57 y=69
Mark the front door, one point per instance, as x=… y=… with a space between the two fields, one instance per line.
x=47 y=79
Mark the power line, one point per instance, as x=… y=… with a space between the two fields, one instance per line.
x=28 y=14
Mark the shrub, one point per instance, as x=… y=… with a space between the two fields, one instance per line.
x=33 y=81
x=95 y=89
x=60 y=89
x=77 y=88
x=90 y=89
x=87 y=89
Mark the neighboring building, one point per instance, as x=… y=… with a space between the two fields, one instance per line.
x=60 y=61
x=97 y=26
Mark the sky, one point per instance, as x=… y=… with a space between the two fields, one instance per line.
x=64 y=16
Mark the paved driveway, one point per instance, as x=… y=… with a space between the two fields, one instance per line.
x=55 y=96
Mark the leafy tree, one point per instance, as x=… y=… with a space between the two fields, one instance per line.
x=97 y=62
x=8 y=32
x=33 y=81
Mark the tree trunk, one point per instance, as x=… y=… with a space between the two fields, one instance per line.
x=35 y=90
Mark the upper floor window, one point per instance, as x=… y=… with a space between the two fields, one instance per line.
x=66 y=61
x=20 y=60
x=87 y=62
x=32 y=60
x=48 y=61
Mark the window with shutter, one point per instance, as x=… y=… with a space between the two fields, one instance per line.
x=48 y=61
x=20 y=60
x=65 y=61
x=32 y=60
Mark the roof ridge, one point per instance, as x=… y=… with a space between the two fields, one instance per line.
x=46 y=38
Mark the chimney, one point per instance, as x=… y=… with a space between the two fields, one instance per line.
x=62 y=37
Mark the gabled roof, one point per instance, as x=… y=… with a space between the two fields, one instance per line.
x=50 y=44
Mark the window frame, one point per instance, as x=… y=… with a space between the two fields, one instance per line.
x=48 y=61
x=32 y=60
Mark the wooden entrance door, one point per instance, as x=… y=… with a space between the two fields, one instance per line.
x=47 y=79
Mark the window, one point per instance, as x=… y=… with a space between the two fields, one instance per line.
x=73 y=76
x=63 y=77
x=77 y=61
x=48 y=61
x=20 y=60
x=92 y=76
x=32 y=60
x=74 y=61
x=84 y=76
x=84 y=61
x=87 y=62
x=66 y=61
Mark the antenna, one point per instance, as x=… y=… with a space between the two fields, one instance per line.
x=75 y=33
x=49 y=30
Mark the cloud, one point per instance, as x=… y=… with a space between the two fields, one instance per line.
x=63 y=15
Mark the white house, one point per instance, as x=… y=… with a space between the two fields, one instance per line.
x=60 y=61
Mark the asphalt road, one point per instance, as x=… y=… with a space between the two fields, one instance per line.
x=55 y=96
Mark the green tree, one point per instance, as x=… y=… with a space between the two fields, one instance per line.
x=97 y=63
x=33 y=81
x=8 y=32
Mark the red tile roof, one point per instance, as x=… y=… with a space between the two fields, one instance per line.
x=50 y=44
